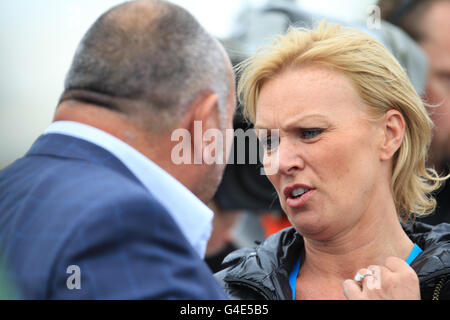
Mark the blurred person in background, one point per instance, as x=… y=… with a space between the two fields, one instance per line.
x=352 y=144
x=243 y=201
x=245 y=190
x=428 y=23
x=97 y=208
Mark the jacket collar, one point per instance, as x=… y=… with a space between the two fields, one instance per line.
x=434 y=261
x=63 y=146
x=265 y=271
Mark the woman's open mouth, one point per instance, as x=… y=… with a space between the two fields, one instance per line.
x=297 y=195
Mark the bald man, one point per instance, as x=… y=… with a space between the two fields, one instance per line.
x=98 y=208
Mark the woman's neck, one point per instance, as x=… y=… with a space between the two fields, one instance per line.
x=374 y=238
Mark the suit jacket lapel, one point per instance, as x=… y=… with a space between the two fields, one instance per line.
x=63 y=146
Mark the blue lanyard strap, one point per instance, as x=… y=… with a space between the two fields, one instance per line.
x=293 y=276
x=414 y=253
x=294 y=273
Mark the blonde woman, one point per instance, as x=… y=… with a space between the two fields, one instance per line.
x=351 y=144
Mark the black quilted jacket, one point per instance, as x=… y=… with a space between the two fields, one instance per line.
x=262 y=272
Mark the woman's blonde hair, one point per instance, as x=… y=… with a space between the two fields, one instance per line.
x=380 y=81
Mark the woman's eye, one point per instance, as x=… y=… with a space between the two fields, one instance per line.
x=310 y=133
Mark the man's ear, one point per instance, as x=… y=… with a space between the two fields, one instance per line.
x=206 y=110
x=203 y=115
x=394 y=130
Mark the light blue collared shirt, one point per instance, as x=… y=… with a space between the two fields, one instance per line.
x=192 y=216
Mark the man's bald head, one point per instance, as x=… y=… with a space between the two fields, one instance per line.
x=143 y=57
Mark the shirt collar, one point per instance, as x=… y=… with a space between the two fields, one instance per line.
x=191 y=215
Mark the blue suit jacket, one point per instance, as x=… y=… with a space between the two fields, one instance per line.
x=70 y=202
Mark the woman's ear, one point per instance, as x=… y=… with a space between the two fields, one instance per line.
x=394 y=130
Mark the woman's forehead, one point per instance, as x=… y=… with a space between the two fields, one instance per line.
x=310 y=93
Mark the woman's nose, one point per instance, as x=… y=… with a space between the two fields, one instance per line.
x=290 y=159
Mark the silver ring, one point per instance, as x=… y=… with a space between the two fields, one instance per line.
x=359 y=277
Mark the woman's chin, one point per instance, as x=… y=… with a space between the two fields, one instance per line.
x=307 y=224
x=313 y=226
